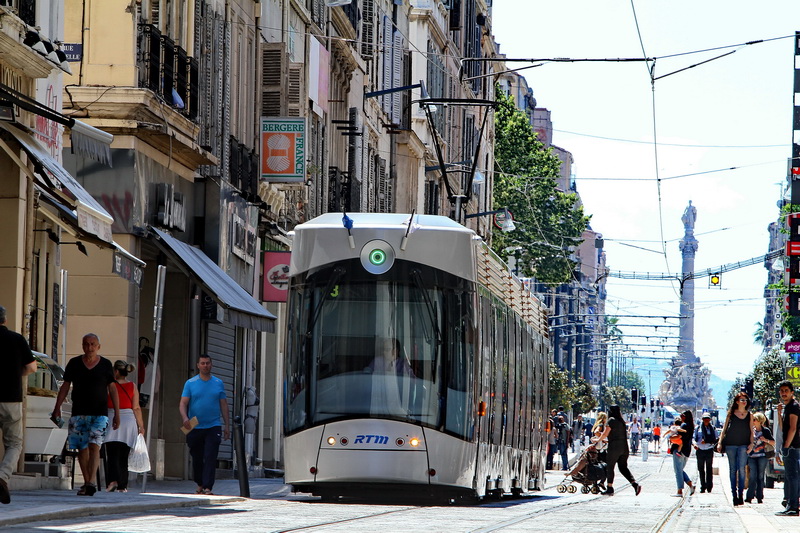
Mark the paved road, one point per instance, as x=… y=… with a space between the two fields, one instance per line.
x=273 y=508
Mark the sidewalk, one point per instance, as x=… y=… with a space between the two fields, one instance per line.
x=34 y=505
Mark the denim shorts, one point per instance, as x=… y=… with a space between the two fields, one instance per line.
x=85 y=430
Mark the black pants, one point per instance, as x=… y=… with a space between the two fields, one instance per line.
x=705 y=460
x=204 y=447
x=618 y=457
x=117 y=463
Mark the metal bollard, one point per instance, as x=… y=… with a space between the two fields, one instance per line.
x=241 y=460
x=645 y=442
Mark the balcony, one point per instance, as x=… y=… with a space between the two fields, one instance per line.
x=167 y=70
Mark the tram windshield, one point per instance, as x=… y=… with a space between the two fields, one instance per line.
x=389 y=346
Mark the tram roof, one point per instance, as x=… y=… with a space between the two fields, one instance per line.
x=384 y=220
x=324 y=240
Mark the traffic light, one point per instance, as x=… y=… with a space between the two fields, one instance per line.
x=714 y=280
x=652 y=403
x=643 y=400
x=635 y=396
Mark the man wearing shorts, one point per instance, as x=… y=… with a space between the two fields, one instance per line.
x=93 y=380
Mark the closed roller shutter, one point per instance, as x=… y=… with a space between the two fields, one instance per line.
x=221 y=346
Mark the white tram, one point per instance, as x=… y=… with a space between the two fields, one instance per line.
x=415 y=364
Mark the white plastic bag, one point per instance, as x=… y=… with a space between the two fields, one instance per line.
x=139 y=460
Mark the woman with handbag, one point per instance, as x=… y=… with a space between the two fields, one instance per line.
x=758 y=454
x=119 y=442
x=680 y=450
x=737 y=435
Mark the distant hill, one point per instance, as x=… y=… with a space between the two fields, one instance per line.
x=719 y=389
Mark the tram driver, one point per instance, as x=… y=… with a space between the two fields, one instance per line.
x=390 y=358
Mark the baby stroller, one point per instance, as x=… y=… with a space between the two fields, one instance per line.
x=589 y=472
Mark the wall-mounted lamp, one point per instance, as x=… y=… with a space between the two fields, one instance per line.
x=80 y=246
x=50 y=235
x=504 y=222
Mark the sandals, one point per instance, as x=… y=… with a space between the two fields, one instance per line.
x=87 y=490
x=208 y=492
x=112 y=488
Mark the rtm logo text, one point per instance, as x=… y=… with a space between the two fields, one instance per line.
x=371 y=439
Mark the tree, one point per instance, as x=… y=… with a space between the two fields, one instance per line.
x=617 y=396
x=737 y=387
x=628 y=380
x=549 y=222
x=760 y=334
x=768 y=371
x=560 y=391
x=584 y=395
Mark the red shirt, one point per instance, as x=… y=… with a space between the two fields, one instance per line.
x=125 y=393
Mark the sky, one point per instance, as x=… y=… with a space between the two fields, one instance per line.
x=731 y=113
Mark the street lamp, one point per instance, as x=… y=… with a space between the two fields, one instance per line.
x=507 y=223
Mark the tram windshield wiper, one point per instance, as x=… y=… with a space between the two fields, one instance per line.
x=416 y=275
x=337 y=274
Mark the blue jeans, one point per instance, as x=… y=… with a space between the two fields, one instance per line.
x=791 y=483
x=755 y=485
x=678 y=463
x=562 y=450
x=737 y=460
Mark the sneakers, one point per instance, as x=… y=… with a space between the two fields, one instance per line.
x=609 y=491
x=788 y=512
x=637 y=489
x=5 y=496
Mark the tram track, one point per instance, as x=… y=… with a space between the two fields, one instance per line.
x=550 y=509
x=312 y=527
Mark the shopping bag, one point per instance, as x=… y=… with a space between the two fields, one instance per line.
x=139 y=460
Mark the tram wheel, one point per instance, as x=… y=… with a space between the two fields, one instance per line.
x=595 y=489
x=561 y=489
x=572 y=489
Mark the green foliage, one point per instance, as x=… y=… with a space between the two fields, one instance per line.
x=560 y=391
x=768 y=371
x=617 y=396
x=549 y=222
x=736 y=388
x=628 y=380
x=584 y=395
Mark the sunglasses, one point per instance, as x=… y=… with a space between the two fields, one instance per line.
x=742 y=400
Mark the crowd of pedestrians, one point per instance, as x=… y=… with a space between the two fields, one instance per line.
x=746 y=439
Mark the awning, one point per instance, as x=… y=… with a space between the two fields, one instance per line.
x=92 y=217
x=125 y=264
x=240 y=308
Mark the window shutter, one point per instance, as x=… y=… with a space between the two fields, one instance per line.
x=397 y=75
x=274 y=73
x=368 y=29
x=296 y=90
x=386 y=43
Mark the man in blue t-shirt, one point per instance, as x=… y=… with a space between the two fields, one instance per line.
x=204 y=397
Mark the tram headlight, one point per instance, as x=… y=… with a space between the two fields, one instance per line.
x=414 y=442
x=377 y=256
x=331 y=441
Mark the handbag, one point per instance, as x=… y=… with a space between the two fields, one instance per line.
x=138 y=459
x=769 y=450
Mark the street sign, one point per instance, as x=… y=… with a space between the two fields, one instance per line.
x=792 y=347
x=793 y=374
x=792 y=248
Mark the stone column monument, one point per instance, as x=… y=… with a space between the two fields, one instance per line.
x=686 y=383
x=688 y=246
